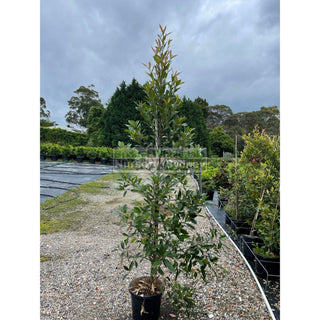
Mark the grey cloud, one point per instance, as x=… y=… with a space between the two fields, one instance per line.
x=228 y=51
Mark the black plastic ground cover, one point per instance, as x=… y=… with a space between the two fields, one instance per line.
x=271 y=287
x=59 y=177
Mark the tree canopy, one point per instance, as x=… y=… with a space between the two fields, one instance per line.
x=220 y=141
x=195 y=118
x=121 y=108
x=86 y=97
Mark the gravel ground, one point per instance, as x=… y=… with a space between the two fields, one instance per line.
x=83 y=278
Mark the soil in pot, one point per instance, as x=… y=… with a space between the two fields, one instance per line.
x=145 y=301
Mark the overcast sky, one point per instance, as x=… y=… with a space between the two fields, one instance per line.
x=228 y=51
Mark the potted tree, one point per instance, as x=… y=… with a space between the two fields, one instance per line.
x=54 y=151
x=91 y=154
x=162 y=225
x=105 y=154
x=80 y=152
x=43 y=151
x=66 y=152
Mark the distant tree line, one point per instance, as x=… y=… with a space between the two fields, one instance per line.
x=215 y=127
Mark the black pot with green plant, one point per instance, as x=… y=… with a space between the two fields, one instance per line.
x=91 y=154
x=80 y=153
x=44 y=151
x=54 y=151
x=66 y=152
x=105 y=155
x=158 y=228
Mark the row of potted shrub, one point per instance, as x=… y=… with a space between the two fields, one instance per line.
x=104 y=154
x=249 y=191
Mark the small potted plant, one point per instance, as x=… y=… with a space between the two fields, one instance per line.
x=43 y=151
x=162 y=224
x=66 y=152
x=105 y=154
x=91 y=154
x=54 y=151
x=80 y=152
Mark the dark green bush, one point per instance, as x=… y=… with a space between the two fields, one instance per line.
x=62 y=137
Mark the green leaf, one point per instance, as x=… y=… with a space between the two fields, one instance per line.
x=169 y=265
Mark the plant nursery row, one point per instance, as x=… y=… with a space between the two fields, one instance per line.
x=249 y=192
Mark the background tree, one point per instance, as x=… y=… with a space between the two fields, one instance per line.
x=204 y=105
x=94 y=125
x=86 y=97
x=217 y=115
x=220 y=141
x=44 y=114
x=269 y=119
x=195 y=118
x=121 y=108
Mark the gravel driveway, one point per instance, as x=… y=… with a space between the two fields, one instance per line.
x=83 y=278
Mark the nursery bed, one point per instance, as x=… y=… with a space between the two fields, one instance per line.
x=272 y=287
x=58 y=177
x=82 y=275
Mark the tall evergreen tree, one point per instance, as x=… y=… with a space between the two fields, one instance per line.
x=121 y=108
x=195 y=119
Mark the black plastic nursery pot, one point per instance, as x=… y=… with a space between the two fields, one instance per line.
x=145 y=307
x=228 y=219
x=239 y=226
x=54 y=158
x=91 y=160
x=43 y=156
x=265 y=264
x=79 y=159
x=247 y=244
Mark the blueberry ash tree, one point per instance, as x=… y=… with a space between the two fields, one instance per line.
x=161 y=227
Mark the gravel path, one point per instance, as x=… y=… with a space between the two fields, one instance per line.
x=83 y=278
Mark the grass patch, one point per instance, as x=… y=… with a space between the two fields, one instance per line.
x=65 y=211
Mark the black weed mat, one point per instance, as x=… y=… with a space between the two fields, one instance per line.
x=272 y=287
x=58 y=177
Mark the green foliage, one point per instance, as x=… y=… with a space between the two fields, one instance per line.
x=66 y=151
x=217 y=115
x=121 y=108
x=54 y=149
x=193 y=113
x=220 y=141
x=62 y=137
x=80 y=151
x=256 y=191
x=94 y=125
x=221 y=176
x=44 y=113
x=80 y=105
x=105 y=153
x=160 y=224
x=91 y=152
x=124 y=151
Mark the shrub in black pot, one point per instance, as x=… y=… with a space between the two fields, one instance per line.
x=54 y=151
x=160 y=228
x=80 y=152
x=66 y=152
x=91 y=154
